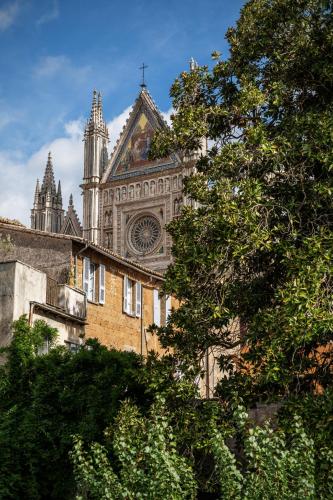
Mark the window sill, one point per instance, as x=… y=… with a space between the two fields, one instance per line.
x=131 y=315
x=95 y=303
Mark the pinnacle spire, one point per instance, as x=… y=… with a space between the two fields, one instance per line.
x=37 y=191
x=59 y=195
x=70 y=204
x=48 y=180
x=96 y=121
x=93 y=113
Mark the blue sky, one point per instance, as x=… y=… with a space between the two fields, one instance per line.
x=53 y=53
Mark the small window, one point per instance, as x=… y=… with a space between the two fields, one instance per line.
x=72 y=346
x=132 y=297
x=101 y=294
x=157 y=308
x=89 y=269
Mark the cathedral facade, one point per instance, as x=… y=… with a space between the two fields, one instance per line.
x=128 y=199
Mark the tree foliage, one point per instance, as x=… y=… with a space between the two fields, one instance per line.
x=142 y=461
x=46 y=399
x=256 y=242
x=144 y=452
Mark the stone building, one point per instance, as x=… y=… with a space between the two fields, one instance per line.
x=47 y=275
x=128 y=199
x=47 y=213
x=26 y=290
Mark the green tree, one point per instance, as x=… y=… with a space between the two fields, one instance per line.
x=46 y=399
x=258 y=244
x=145 y=454
x=142 y=461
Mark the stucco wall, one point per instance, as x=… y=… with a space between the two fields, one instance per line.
x=67 y=330
x=19 y=284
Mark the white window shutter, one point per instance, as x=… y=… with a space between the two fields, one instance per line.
x=130 y=285
x=101 y=294
x=85 y=274
x=138 y=299
x=91 y=289
x=157 y=308
x=167 y=308
x=125 y=294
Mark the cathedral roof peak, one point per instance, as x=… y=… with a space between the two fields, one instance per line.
x=144 y=111
x=71 y=224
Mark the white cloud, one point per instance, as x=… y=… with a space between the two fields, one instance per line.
x=18 y=174
x=51 y=66
x=51 y=14
x=8 y=14
x=167 y=115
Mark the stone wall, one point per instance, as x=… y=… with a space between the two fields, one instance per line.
x=50 y=254
x=107 y=321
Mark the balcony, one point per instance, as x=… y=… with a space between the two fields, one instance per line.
x=69 y=300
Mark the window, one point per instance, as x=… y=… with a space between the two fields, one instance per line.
x=101 y=294
x=90 y=283
x=157 y=308
x=132 y=297
x=72 y=346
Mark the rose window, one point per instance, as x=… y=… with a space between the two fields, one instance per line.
x=145 y=234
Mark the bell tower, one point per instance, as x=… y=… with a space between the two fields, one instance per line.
x=96 y=138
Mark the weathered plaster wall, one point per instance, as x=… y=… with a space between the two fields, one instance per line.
x=67 y=330
x=19 y=284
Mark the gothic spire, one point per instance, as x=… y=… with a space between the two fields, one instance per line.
x=70 y=200
x=93 y=112
x=37 y=191
x=96 y=121
x=48 y=180
x=59 y=195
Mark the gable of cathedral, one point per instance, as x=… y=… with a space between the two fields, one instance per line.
x=130 y=155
